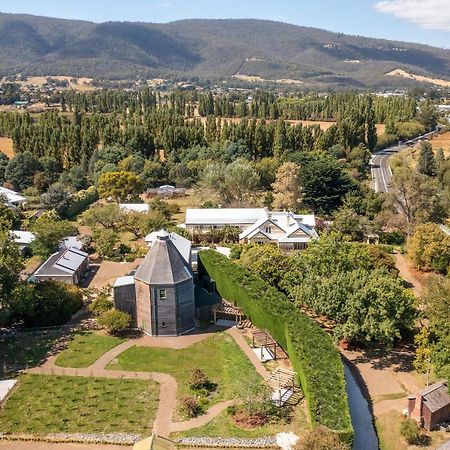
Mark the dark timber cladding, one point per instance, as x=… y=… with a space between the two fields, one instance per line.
x=165 y=302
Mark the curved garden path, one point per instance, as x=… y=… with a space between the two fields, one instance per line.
x=163 y=424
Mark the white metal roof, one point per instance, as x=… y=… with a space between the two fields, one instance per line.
x=22 y=237
x=12 y=197
x=182 y=244
x=124 y=281
x=223 y=216
x=134 y=207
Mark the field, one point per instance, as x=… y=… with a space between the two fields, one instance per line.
x=218 y=356
x=51 y=404
x=403 y=74
x=388 y=430
x=85 y=348
x=442 y=141
x=82 y=84
x=6 y=147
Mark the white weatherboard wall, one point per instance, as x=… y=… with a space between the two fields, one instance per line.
x=5 y=388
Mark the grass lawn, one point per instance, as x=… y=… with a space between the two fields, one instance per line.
x=50 y=404
x=224 y=426
x=218 y=356
x=85 y=348
x=388 y=430
x=187 y=201
x=25 y=350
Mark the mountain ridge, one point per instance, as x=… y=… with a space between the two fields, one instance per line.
x=215 y=49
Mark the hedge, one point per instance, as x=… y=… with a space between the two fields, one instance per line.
x=80 y=201
x=311 y=351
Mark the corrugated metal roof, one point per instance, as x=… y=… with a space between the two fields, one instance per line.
x=223 y=216
x=437 y=398
x=124 y=281
x=64 y=262
x=182 y=244
x=164 y=264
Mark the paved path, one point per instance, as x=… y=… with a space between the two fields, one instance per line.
x=163 y=424
x=405 y=272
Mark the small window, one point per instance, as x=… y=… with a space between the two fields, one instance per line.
x=163 y=324
x=268 y=230
x=162 y=294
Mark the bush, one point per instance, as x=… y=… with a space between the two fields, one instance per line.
x=80 y=201
x=321 y=438
x=100 y=305
x=311 y=350
x=115 y=322
x=410 y=430
x=199 y=381
x=191 y=406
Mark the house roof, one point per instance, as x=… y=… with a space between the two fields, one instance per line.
x=65 y=262
x=124 y=281
x=164 y=264
x=223 y=216
x=22 y=237
x=12 y=197
x=134 y=207
x=436 y=396
x=182 y=244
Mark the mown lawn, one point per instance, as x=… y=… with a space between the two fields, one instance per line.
x=25 y=350
x=50 y=404
x=218 y=356
x=85 y=348
x=224 y=426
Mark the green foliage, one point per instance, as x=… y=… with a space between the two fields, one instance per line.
x=105 y=241
x=121 y=186
x=101 y=304
x=80 y=201
x=115 y=322
x=21 y=169
x=46 y=304
x=108 y=216
x=429 y=248
x=352 y=226
x=311 y=351
x=427 y=163
x=191 y=406
x=410 y=430
x=49 y=232
x=321 y=438
x=56 y=198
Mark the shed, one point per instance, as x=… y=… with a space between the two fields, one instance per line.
x=431 y=406
x=124 y=294
x=68 y=266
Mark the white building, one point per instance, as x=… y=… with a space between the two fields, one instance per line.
x=12 y=197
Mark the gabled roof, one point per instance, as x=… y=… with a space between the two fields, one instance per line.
x=164 y=264
x=12 y=197
x=22 y=237
x=134 y=207
x=436 y=397
x=65 y=262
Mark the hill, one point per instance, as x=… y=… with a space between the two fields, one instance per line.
x=211 y=49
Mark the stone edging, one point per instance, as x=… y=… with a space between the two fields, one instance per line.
x=265 y=442
x=81 y=438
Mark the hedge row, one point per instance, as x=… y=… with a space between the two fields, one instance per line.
x=311 y=351
x=80 y=201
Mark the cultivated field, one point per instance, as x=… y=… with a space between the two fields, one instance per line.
x=6 y=147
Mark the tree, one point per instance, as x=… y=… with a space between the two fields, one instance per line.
x=427 y=163
x=21 y=169
x=321 y=438
x=49 y=231
x=105 y=241
x=120 y=186
x=428 y=115
x=11 y=264
x=429 y=248
x=115 y=322
x=416 y=198
x=324 y=182
x=372 y=137
x=266 y=261
x=350 y=225
x=56 y=198
x=287 y=190
x=101 y=304
x=47 y=303
x=108 y=216
x=8 y=217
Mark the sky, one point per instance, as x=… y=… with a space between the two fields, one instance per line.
x=424 y=21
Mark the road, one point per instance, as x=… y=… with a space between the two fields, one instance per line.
x=381 y=172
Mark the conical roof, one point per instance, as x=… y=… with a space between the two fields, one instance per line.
x=164 y=264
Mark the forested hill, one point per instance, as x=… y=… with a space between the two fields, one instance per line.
x=209 y=49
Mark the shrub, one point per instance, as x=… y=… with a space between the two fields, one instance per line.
x=321 y=438
x=199 y=380
x=115 y=322
x=191 y=406
x=100 y=305
x=311 y=350
x=410 y=430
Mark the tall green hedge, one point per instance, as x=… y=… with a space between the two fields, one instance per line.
x=311 y=351
x=80 y=201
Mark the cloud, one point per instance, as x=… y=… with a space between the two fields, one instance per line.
x=431 y=14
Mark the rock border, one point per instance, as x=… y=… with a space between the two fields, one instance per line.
x=263 y=442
